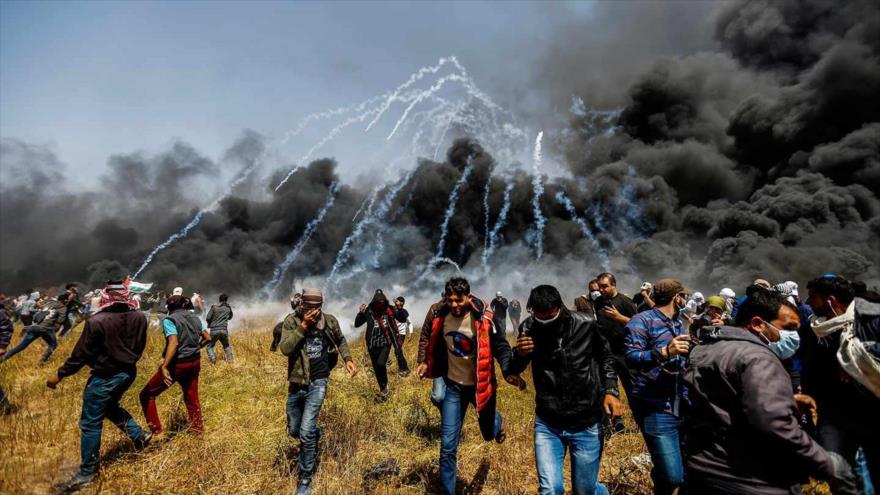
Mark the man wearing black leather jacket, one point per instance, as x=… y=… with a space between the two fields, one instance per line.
x=575 y=383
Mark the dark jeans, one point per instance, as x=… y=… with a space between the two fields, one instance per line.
x=31 y=334
x=379 y=359
x=452 y=413
x=662 y=434
x=303 y=406
x=221 y=336
x=101 y=400
x=586 y=454
x=66 y=326
x=845 y=438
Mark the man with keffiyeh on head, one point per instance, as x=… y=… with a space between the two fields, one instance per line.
x=111 y=344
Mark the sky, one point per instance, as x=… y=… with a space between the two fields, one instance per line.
x=93 y=79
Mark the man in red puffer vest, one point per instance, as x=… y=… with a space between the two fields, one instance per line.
x=459 y=347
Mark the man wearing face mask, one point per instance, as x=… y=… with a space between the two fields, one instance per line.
x=847 y=411
x=744 y=435
x=575 y=384
x=657 y=345
x=585 y=303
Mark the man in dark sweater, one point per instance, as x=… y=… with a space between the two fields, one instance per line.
x=5 y=337
x=111 y=344
x=575 y=385
x=613 y=312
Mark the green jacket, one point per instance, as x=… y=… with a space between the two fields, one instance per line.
x=292 y=346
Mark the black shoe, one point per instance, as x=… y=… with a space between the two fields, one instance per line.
x=142 y=442
x=74 y=484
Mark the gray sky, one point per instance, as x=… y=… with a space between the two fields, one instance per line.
x=94 y=79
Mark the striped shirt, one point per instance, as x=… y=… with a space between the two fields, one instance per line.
x=657 y=381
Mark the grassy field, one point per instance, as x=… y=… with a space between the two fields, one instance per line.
x=368 y=446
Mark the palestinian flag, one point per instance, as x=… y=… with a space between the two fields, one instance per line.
x=136 y=287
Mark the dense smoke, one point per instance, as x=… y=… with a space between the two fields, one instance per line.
x=760 y=159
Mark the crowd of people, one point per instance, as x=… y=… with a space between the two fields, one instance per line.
x=725 y=390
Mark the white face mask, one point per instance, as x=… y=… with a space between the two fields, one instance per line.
x=595 y=295
x=550 y=320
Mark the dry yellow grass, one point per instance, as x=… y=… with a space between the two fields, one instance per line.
x=368 y=446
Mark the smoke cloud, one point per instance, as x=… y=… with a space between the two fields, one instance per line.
x=757 y=159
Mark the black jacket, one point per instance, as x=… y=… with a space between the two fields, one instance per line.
x=743 y=432
x=219 y=316
x=113 y=340
x=572 y=368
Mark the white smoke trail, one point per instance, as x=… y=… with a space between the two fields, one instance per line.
x=585 y=229
x=486 y=227
x=343 y=255
x=538 y=188
x=447 y=217
x=241 y=177
x=310 y=229
x=499 y=223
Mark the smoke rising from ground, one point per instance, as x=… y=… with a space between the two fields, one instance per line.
x=759 y=159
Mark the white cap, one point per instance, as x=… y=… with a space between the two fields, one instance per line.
x=728 y=293
x=178 y=291
x=498 y=294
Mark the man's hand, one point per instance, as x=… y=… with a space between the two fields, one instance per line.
x=351 y=368
x=2 y=351
x=678 y=345
x=310 y=318
x=717 y=322
x=422 y=370
x=805 y=404
x=166 y=376
x=612 y=406
x=516 y=381
x=524 y=345
x=611 y=312
x=53 y=380
x=362 y=308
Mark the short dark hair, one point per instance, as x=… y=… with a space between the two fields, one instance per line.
x=63 y=297
x=544 y=298
x=833 y=285
x=761 y=302
x=609 y=276
x=223 y=297
x=457 y=285
x=663 y=299
x=174 y=303
x=401 y=299
x=591 y=282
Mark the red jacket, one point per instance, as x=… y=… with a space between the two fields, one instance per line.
x=489 y=344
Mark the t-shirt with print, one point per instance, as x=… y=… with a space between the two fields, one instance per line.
x=461 y=349
x=316 y=349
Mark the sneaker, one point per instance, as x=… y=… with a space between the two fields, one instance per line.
x=142 y=442
x=403 y=373
x=74 y=484
x=305 y=486
x=384 y=394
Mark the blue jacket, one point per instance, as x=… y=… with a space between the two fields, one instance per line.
x=656 y=383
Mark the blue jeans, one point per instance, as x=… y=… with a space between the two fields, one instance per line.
x=303 y=406
x=661 y=431
x=32 y=333
x=452 y=412
x=586 y=453
x=101 y=400
x=438 y=391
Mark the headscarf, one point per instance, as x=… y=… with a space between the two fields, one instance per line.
x=116 y=293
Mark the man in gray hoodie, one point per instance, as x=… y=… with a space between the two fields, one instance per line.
x=744 y=435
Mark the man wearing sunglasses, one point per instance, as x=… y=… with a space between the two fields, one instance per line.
x=744 y=435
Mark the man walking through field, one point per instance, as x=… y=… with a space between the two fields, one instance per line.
x=111 y=344
x=312 y=342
